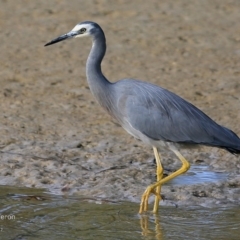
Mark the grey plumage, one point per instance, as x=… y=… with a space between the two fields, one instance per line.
x=162 y=115
x=149 y=112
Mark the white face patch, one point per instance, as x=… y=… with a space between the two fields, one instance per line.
x=80 y=26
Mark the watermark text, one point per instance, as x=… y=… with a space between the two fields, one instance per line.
x=7 y=217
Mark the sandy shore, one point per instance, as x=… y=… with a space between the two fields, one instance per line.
x=53 y=133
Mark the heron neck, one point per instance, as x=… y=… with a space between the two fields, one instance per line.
x=100 y=87
x=96 y=80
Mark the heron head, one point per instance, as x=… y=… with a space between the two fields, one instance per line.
x=80 y=30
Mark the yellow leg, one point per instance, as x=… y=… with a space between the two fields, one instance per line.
x=151 y=188
x=159 y=177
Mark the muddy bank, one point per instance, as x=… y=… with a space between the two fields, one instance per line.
x=53 y=133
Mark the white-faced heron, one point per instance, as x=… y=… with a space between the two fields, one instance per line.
x=150 y=113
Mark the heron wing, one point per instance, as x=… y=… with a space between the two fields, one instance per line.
x=162 y=115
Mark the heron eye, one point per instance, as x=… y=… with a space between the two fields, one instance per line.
x=82 y=30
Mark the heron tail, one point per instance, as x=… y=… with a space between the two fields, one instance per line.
x=233 y=150
x=232 y=137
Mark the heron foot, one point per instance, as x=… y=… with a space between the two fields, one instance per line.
x=144 y=201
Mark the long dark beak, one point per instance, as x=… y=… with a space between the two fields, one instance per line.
x=61 y=38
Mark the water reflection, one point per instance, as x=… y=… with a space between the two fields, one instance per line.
x=39 y=215
x=146 y=232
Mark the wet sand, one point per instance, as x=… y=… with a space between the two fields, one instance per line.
x=53 y=133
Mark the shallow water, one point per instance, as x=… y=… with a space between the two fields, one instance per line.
x=198 y=174
x=32 y=214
